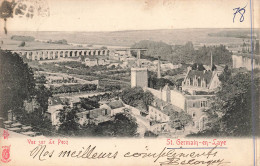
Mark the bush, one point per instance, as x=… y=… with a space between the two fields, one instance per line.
x=22 y=38
x=22 y=44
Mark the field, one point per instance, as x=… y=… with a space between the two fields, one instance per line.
x=105 y=75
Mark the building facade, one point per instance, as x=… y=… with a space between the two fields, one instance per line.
x=139 y=77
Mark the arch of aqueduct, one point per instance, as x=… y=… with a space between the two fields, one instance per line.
x=44 y=54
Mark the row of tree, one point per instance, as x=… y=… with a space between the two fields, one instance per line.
x=185 y=53
x=73 y=88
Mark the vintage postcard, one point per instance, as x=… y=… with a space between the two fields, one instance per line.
x=129 y=82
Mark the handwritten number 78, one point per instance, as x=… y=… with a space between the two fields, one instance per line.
x=241 y=11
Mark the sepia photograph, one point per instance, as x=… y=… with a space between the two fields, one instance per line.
x=132 y=69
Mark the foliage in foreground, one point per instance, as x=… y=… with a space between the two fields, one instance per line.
x=231 y=111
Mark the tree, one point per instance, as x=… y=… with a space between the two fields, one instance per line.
x=38 y=122
x=6 y=11
x=103 y=48
x=69 y=121
x=180 y=119
x=220 y=54
x=16 y=82
x=22 y=44
x=231 y=111
x=123 y=125
x=158 y=83
x=137 y=97
x=42 y=94
x=41 y=79
x=148 y=99
x=225 y=75
x=89 y=103
x=150 y=134
x=154 y=49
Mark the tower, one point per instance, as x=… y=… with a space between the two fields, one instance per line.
x=159 y=68
x=166 y=93
x=139 y=77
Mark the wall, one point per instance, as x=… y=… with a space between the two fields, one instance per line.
x=178 y=99
x=239 y=61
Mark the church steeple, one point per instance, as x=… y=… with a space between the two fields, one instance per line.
x=159 y=68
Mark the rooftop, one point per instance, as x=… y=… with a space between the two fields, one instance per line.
x=116 y=104
x=206 y=75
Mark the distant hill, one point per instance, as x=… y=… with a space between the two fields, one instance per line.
x=128 y=38
x=22 y=38
x=236 y=33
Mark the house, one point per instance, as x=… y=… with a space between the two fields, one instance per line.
x=205 y=81
x=157 y=115
x=91 y=62
x=101 y=114
x=158 y=120
x=114 y=107
x=96 y=116
x=195 y=106
x=53 y=114
x=173 y=97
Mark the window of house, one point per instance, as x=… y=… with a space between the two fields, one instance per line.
x=87 y=116
x=203 y=104
x=203 y=83
x=188 y=82
x=193 y=104
x=105 y=112
x=193 y=114
x=57 y=116
x=195 y=83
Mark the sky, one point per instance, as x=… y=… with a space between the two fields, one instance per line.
x=119 y=15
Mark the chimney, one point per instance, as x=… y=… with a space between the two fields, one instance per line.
x=138 y=58
x=211 y=60
x=159 y=68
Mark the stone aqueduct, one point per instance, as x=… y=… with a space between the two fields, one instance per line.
x=44 y=54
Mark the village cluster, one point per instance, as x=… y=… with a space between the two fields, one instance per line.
x=192 y=97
